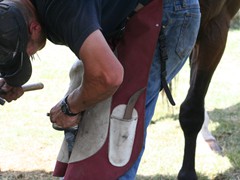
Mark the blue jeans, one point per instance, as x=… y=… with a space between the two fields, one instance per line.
x=181 y=20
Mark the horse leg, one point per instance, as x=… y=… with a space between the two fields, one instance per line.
x=204 y=60
x=75 y=75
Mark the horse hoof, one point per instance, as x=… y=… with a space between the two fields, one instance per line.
x=215 y=147
x=187 y=175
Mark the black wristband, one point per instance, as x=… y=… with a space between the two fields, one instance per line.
x=65 y=108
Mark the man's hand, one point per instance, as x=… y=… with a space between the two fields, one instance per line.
x=61 y=119
x=9 y=93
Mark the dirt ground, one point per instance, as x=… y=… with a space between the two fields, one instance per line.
x=32 y=167
x=33 y=175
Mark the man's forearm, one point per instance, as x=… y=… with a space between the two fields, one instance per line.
x=90 y=94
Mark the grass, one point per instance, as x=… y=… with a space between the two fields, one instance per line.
x=29 y=146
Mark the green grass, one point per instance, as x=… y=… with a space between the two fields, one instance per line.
x=29 y=146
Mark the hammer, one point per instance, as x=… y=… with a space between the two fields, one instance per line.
x=27 y=87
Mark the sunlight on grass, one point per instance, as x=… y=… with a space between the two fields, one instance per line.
x=163 y=154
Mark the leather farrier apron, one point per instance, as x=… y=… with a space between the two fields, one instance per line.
x=111 y=134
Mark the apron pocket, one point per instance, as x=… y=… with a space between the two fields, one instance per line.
x=122 y=135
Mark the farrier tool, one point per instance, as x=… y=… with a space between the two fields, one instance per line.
x=27 y=87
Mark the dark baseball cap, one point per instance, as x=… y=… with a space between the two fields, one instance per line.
x=15 y=65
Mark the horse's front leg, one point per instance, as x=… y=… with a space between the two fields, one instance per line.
x=205 y=58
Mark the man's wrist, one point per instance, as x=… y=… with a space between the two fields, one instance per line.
x=66 y=109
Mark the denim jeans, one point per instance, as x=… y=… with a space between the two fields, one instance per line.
x=181 y=20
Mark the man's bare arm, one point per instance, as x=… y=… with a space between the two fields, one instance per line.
x=103 y=74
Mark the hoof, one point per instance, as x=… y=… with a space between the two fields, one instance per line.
x=182 y=175
x=215 y=147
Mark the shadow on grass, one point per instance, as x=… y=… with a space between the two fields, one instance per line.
x=155 y=177
x=27 y=175
x=167 y=177
x=227 y=134
x=43 y=175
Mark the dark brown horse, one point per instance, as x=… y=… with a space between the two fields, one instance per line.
x=207 y=53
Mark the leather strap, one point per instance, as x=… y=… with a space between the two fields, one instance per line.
x=163 y=59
